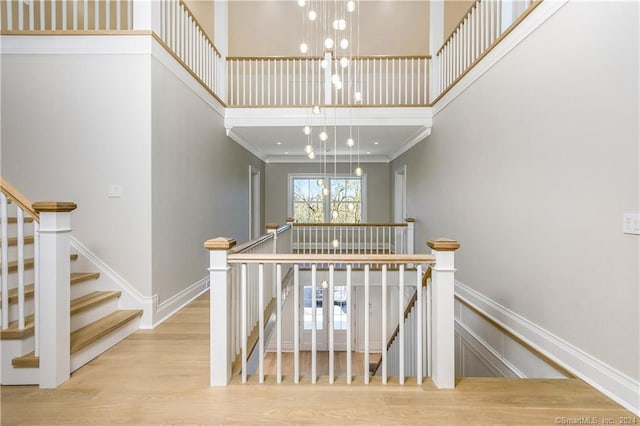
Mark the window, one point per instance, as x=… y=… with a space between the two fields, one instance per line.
x=343 y=204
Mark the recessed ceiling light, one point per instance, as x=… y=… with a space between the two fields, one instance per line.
x=376 y=143
x=368 y=152
x=278 y=143
x=286 y=153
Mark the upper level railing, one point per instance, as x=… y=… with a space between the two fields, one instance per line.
x=246 y=306
x=484 y=25
x=306 y=81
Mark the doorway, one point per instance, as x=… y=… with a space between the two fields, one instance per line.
x=326 y=316
x=255 y=228
x=400 y=202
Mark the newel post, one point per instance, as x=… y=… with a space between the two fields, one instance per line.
x=442 y=293
x=411 y=234
x=290 y=222
x=54 y=269
x=220 y=312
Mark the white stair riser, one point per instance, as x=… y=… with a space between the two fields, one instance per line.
x=85 y=355
x=28 y=309
x=17 y=376
x=84 y=288
x=83 y=318
x=12 y=252
x=13 y=278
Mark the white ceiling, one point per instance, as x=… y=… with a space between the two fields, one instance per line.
x=280 y=138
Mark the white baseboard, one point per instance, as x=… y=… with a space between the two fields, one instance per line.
x=131 y=297
x=172 y=305
x=616 y=385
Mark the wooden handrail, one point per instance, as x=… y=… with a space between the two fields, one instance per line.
x=319 y=58
x=252 y=243
x=181 y=2
x=407 y=311
x=386 y=259
x=18 y=198
x=348 y=224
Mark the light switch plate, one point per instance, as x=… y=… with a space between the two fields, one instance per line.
x=115 y=191
x=631 y=223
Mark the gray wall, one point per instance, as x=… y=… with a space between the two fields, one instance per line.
x=72 y=125
x=200 y=183
x=277 y=184
x=532 y=168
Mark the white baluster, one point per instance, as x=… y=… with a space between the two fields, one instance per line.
x=129 y=14
x=384 y=325
x=243 y=328
x=74 y=11
x=85 y=14
x=366 y=324
x=296 y=323
x=36 y=286
x=31 y=16
x=401 y=326
x=314 y=323
x=20 y=15
x=20 y=229
x=418 y=306
x=107 y=15
x=261 y=322
x=279 y=322
x=349 y=322
x=5 y=261
x=331 y=326
x=42 y=15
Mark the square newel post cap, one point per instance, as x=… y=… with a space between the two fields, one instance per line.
x=290 y=220
x=220 y=243
x=54 y=206
x=271 y=226
x=443 y=244
x=410 y=219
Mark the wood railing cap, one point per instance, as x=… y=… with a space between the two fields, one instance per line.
x=290 y=220
x=220 y=243
x=54 y=206
x=272 y=226
x=443 y=244
x=410 y=219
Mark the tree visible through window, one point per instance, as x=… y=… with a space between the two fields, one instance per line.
x=342 y=204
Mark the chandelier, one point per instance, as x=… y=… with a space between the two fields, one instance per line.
x=330 y=28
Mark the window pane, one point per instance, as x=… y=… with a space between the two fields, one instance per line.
x=340 y=308
x=308 y=203
x=346 y=201
x=308 y=308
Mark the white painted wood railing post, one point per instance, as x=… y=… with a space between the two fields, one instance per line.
x=54 y=298
x=220 y=315
x=442 y=282
x=411 y=229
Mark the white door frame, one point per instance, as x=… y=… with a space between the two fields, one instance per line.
x=400 y=194
x=255 y=229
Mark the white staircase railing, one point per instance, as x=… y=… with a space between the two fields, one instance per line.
x=51 y=271
x=239 y=299
x=353 y=238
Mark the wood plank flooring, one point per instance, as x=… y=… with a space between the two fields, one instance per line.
x=161 y=376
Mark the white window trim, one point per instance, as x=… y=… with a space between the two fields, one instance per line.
x=293 y=176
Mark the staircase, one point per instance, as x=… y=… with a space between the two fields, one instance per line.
x=96 y=323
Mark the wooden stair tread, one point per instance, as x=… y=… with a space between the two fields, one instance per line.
x=29 y=360
x=27 y=219
x=13 y=241
x=85 y=336
x=90 y=300
x=28 y=263
x=29 y=291
x=80 y=277
x=14 y=333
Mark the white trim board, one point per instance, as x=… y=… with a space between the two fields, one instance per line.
x=175 y=303
x=616 y=385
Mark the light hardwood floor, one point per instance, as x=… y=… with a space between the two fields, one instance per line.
x=161 y=376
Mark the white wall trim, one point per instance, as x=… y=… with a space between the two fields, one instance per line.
x=172 y=305
x=500 y=366
x=165 y=58
x=130 y=44
x=412 y=141
x=536 y=18
x=616 y=385
x=246 y=145
x=146 y=303
x=343 y=159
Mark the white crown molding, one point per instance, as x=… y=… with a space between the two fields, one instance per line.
x=170 y=63
x=340 y=159
x=246 y=145
x=541 y=13
x=412 y=141
x=129 y=44
x=616 y=385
